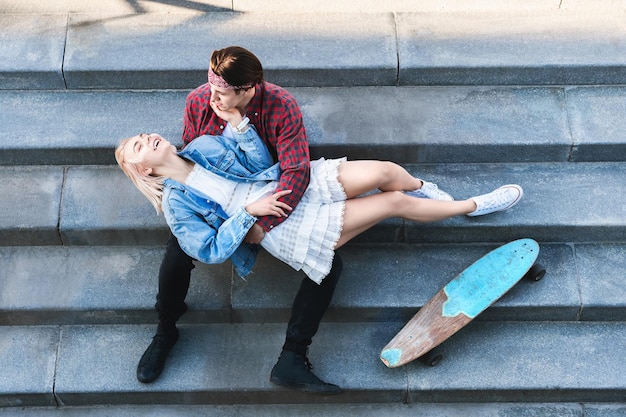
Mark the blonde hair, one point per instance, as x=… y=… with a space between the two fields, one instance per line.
x=150 y=186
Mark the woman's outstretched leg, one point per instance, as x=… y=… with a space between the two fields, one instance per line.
x=364 y=212
x=359 y=177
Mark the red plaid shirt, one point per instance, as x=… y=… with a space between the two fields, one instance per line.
x=277 y=117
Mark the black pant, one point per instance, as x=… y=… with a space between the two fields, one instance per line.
x=307 y=311
x=309 y=307
x=174 y=277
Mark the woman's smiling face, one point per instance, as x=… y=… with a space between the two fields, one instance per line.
x=148 y=150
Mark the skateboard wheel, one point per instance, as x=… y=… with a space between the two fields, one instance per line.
x=433 y=358
x=536 y=272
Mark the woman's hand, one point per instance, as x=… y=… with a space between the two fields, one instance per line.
x=270 y=206
x=232 y=116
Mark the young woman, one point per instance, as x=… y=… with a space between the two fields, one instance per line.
x=212 y=191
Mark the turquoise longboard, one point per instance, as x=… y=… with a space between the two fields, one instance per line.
x=464 y=298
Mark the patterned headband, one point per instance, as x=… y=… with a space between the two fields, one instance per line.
x=220 y=82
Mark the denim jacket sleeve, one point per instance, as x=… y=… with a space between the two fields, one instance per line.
x=255 y=155
x=243 y=156
x=203 y=230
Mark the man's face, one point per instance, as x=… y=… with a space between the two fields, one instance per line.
x=225 y=99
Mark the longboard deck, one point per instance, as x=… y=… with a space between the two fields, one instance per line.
x=461 y=300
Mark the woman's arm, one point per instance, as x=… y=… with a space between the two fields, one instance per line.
x=199 y=234
x=256 y=156
x=255 y=153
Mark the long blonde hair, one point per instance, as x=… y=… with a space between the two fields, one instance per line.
x=150 y=186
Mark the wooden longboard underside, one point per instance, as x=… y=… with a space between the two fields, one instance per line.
x=423 y=332
x=466 y=296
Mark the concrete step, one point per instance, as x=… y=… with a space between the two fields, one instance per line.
x=162 y=49
x=330 y=410
x=102 y=285
x=415 y=125
x=230 y=364
x=297 y=6
x=98 y=205
x=117 y=285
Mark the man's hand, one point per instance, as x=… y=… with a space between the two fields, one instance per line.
x=255 y=235
x=232 y=116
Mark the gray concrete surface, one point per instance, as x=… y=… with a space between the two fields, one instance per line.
x=172 y=50
x=330 y=410
x=100 y=196
x=453 y=124
x=96 y=364
x=100 y=206
x=541 y=360
x=511 y=47
x=604 y=262
x=163 y=49
x=28 y=356
x=416 y=124
x=363 y=6
x=100 y=284
x=76 y=316
x=597 y=123
x=30 y=203
x=367 y=6
x=31 y=48
x=391 y=282
x=65 y=128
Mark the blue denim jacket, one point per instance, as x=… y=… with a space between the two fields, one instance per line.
x=204 y=231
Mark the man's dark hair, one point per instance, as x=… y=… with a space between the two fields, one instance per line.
x=237 y=66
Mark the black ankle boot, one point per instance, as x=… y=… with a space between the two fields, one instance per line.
x=294 y=371
x=152 y=362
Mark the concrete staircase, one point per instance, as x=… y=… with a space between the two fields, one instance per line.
x=468 y=96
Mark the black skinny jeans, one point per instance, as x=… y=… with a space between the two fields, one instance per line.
x=307 y=311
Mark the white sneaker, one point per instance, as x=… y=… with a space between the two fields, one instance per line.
x=500 y=199
x=431 y=191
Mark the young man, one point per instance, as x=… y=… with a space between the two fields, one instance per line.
x=236 y=81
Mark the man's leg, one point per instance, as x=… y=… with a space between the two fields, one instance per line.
x=293 y=368
x=174 y=277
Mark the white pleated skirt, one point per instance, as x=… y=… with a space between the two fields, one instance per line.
x=307 y=238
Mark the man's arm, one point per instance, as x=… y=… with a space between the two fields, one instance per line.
x=198 y=112
x=292 y=149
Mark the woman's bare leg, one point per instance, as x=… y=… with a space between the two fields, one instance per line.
x=359 y=177
x=364 y=212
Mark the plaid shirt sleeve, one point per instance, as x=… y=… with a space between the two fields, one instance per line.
x=286 y=133
x=199 y=118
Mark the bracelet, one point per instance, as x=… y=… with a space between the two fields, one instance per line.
x=243 y=126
